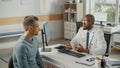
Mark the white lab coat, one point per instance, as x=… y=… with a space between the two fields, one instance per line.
x=97 y=44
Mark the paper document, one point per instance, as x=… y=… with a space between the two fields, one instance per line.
x=86 y=61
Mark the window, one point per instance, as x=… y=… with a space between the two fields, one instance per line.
x=119 y=11
x=106 y=11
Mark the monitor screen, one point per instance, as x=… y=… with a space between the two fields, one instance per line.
x=46 y=31
x=101 y=16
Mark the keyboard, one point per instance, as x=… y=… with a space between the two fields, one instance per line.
x=72 y=53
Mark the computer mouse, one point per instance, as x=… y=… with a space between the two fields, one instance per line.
x=60 y=47
x=109 y=24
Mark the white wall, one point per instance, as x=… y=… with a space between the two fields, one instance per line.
x=51 y=6
x=56 y=29
x=14 y=8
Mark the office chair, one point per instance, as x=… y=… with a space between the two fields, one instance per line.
x=78 y=25
x=107 y=39
x=10 y=64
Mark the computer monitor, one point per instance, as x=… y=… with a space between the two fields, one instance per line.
x=45 y=32
x=100 y=17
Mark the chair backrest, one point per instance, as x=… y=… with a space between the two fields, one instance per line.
x=78 y=25
x=10 y=64
x=108 y=40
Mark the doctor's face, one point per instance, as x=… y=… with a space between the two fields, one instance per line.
x=87 y=24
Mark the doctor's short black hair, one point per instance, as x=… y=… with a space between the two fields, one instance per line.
x=90 y=18
x=29 y=20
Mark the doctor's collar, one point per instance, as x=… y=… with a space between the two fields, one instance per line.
x=91 y=29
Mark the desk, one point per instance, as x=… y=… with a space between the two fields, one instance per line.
x=109 y=31
x=55 y=59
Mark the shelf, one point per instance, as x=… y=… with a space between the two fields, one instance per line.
x=11 y=34
x=66 y=21
x=70 y=3
x=116 y=46
x=67 y=12
x=73 y=12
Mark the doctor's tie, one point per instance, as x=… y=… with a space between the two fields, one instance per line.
x=87 y=40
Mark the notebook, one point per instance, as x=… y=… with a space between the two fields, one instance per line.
x=114 y=63
x=88 y=61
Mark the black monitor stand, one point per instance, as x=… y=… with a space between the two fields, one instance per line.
x=44 y=39
x=42 y=32
x=101 y=23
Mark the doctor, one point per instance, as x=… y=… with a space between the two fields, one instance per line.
x=89 y=39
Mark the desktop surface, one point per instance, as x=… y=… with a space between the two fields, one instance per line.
x=66 y=61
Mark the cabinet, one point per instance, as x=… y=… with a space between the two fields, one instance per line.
x=51 y=64
x=73 y=12
x=116 y=39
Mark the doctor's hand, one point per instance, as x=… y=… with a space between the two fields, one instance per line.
x=80 y=48
x=68 y=45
